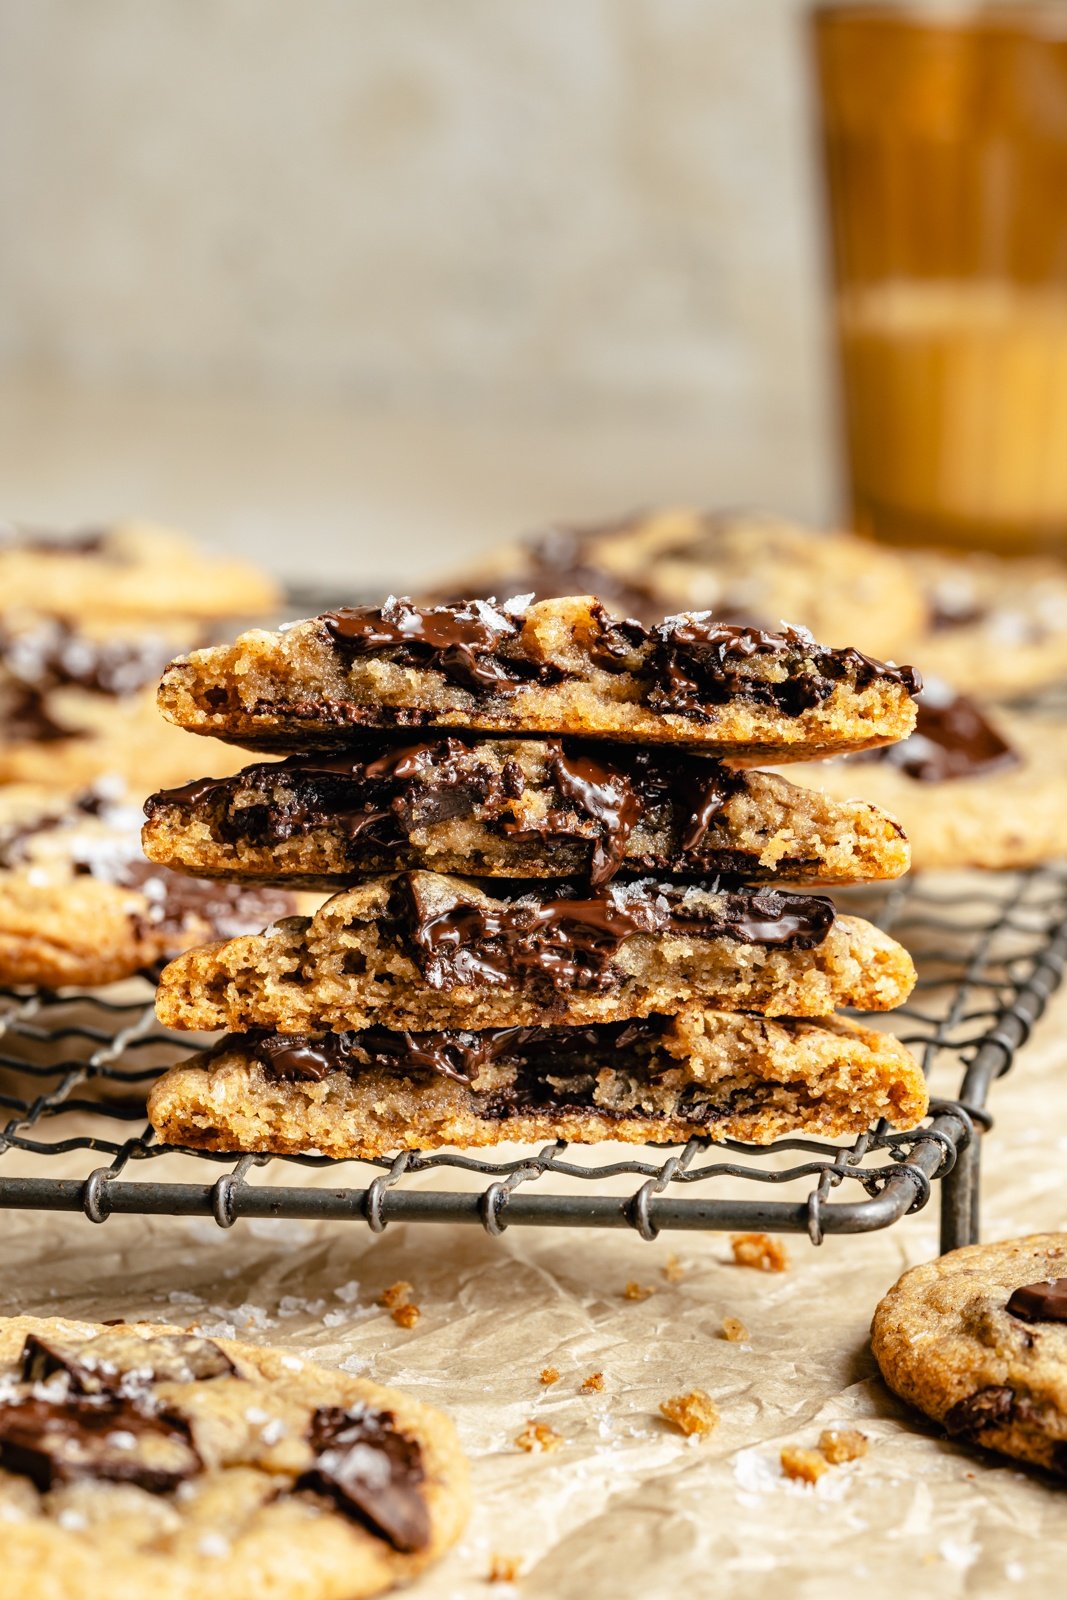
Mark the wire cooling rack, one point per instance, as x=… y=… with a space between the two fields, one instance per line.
x=990 y=949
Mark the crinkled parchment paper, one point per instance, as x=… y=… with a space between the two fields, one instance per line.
x=627 y=1506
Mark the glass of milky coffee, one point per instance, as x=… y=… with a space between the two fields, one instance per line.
x=944 y=133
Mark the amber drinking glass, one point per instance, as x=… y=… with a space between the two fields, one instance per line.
x=945 y=141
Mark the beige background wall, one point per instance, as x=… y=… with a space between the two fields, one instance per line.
x=416 y=250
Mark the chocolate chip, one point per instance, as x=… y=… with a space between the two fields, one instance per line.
x=1040 y=1302
x=112 y=1439
x=987 y=1408
x=372 y=1472
x=121 y=1361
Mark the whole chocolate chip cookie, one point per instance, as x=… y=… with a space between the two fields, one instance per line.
x=978 y=1340
x=138 y=1460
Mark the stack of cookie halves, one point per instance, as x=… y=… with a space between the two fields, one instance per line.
x=555 y=908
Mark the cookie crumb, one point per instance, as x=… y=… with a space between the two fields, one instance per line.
x=842 y=1444
x=734 y=1330
x=806 y=1465
x=637 y=1291
x=395 y=1295
x=548 y=1375
x=538 y=1436
x=760 y=1251
x=695 y=1412
x=504 y=1569
x=593 y=1384
x=673 y=1270
x=406 y=1315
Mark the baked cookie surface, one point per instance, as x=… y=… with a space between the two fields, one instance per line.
x=514 y=808
x=131 y=569
x=744 y=566
x=978 y=1341
x=716 y=1074
x=79 y=904
x=424 y=951
x=138 y=1460
x=556 y=666
x=996 y=626
x=973 y=786
x=78 y=703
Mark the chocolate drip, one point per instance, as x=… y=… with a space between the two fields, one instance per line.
x=952 y=739
x=461 y=642
x=699 y=661
x=372 y=1473
x=1040 y=1302
x=603 y=792
x=110 y=1438
x=570 y=942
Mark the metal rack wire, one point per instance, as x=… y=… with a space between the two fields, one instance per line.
x=991 y=949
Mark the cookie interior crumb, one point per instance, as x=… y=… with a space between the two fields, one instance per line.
x=734 y=1330
x=504 y=1569
x=842 y=1444
x=806 y=1465
x=548 y=1375
x=538 y=1436
x=593 y=1384
x=395 y=1295
x=637 y=1291
x=760 y=1251
x=695 y=1412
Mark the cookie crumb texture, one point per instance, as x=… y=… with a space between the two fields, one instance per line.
x=946 y=1342
x=734 y=1330
x=692 y=1413
x=141 y=1460
x=422 y=951
x=556 y=666
x=719 y=1074
x=761 y=1251
x=538 y=1437
x=839 y=1445
x=804 y=1466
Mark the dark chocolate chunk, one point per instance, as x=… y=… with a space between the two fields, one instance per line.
x=567 y=941
x=1040 y=1302
x=698 y=660
x=121 y=1362
x=462 y=642
x=53 y=655
x=110 y=1438
x=952 y=739
x=987 y=1408
x=372 y=1472
x=83 y=542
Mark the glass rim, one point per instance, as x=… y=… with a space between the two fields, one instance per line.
x=1045 y=18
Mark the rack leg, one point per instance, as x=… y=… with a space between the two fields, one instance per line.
x=975 y=1153
x=959 y=1201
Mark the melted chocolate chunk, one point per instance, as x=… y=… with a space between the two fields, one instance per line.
x=122 y=1363
x=1040 y=1302
x=381 y=792
x=988 y=1408
x=698 y=661
x=570 y=942
x=453 y=1053
x=463 y=643
x=952 y=739
x=372 y=1472
x=110 y=1438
